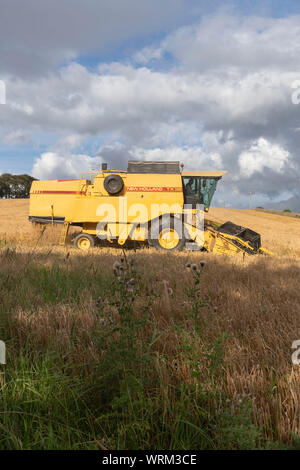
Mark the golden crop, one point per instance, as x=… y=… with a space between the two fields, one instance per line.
x=255 y=301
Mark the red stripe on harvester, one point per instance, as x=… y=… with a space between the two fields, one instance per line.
x=61 y=192
x=154 y=189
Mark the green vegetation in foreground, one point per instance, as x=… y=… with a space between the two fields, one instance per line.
x=93 y=356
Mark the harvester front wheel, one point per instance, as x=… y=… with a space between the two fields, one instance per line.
x=169 y=238
x=84 y=241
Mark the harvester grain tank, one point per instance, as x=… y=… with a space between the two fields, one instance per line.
x=133 y=205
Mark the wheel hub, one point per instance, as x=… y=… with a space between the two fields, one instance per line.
x=84 y=243
x=168 y=238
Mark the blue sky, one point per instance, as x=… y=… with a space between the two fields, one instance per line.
x=206 y=83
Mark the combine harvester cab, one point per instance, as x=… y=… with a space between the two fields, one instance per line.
x=118 y=205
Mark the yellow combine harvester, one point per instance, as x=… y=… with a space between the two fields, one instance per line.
x=152 y=201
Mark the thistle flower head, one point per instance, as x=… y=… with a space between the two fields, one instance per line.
x=116 y=265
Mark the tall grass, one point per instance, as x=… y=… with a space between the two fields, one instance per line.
x=141 y=352
x=149 y=350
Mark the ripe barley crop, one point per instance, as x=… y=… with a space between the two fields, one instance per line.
x=151 y=349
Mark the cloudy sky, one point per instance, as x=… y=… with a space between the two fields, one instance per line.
x=209 y=83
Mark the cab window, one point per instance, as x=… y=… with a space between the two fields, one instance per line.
x=199 y=190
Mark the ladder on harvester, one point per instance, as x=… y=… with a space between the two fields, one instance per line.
x=64 y=233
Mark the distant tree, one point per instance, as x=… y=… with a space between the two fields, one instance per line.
x=259 y=207
x=287 y=210
x=15 y=186
x=23 y=185
x=4 y=188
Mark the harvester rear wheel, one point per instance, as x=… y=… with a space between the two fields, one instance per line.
x=169 y=238
x=84 y=241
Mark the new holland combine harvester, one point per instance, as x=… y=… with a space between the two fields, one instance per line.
x=133 y=205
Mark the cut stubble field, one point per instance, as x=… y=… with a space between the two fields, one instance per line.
x=140 y=350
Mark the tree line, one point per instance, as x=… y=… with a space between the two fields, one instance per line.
x=15 y=186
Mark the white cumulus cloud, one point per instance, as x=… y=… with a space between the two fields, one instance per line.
x=263 y=154
x=52 y=165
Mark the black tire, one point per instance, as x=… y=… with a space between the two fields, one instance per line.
x=84 y=241
x=113 y=184
x=161 y=226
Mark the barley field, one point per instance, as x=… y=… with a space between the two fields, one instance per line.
x=140 y=349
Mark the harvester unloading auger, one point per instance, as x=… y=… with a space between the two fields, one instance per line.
x=133 y=205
